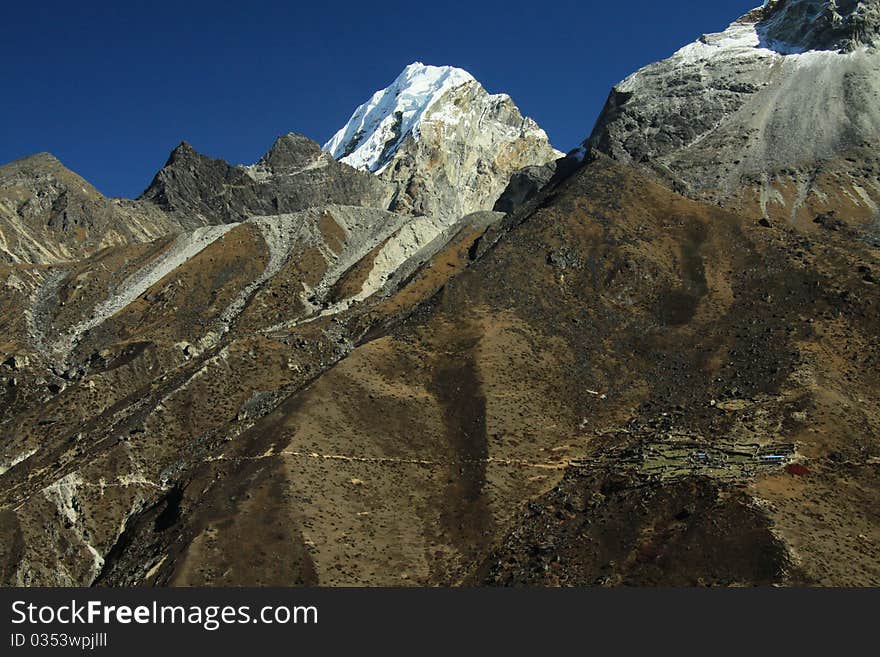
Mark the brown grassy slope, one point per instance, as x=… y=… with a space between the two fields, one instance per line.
x=617 y=313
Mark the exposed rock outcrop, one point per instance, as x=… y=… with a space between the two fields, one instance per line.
x=523 y=185
x=295 y=174
x=778 y=114
x=800 y=25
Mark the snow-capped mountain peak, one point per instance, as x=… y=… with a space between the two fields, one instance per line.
x=370 y=138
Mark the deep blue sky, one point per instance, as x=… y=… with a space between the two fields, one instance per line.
x=111 y=87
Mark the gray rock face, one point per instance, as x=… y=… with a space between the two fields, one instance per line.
x=295 y=174
x=469 y=146
x=737 y=108
x=801 y=25
x=524 y=184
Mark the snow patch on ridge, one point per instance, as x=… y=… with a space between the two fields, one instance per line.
x=376 y=129
x=740 y=38
x=753 y=34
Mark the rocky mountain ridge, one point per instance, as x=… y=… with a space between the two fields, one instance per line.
x=739 y=119
x=459 y=151
x=293 y=175
x=50 y=214
x=797 y=26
